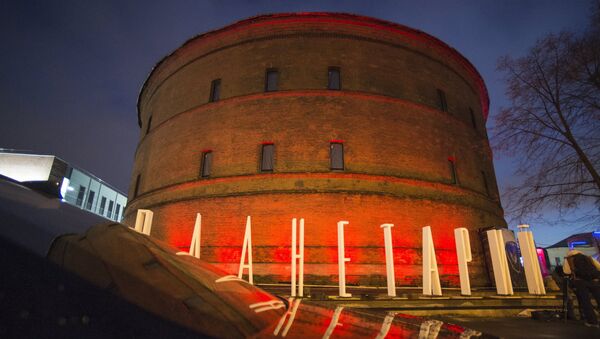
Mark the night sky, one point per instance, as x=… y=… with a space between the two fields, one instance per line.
x=71 y=71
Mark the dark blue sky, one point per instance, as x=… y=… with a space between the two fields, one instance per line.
x=70 y=71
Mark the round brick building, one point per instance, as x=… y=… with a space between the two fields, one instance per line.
x=325 y=117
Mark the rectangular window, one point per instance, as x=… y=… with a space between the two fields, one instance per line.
x=485 y=183
x=90 y=200
x=149 y=124
x=102 y=205
x=215 y=90
x=473 y=121
x=110 y=208
x=271 y=77
x=336 y=155
x=452 y=166
x=266 y=163
x=334 y=78
x=117 y=211
x=206 y=163
x=80 y=195
x=136 y=189
x=442 y=100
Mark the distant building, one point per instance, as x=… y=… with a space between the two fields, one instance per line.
x=588 y=243
x=75 y=185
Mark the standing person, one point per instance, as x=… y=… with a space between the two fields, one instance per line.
x=585 y=273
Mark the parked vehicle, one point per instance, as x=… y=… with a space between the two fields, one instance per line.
x=68 y=273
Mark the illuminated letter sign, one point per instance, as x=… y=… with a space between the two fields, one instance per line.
x=247 y=247
x=342 y=259
x=499 y=262
x=533 y=273
x=389 y=259
x=298 y=257
x=463 y=254
x=195 y=245
x=431 y=277
x=143 y=221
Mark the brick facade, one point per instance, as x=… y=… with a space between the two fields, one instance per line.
x=399 y=146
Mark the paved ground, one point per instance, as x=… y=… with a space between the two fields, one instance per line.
x=525 y=327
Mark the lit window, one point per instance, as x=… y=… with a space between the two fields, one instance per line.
x=110 y=209
x=266 y=163
x=136 y=188
x=271 y=78
x=206 y=164
x=485 y=183
x=215 y=90
x=90 y=200
x=473 y=121
x=336 y=155
x=102 y=205
x=334 y=78
x=452 y=168
x=442 y=100
x=149 y=124
x=80 y=195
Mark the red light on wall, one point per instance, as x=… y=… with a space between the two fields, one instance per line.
x=267 y=143
x=206 y=150
x=336 y=141
x=451 y=159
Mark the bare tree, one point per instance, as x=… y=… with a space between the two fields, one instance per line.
x=553 y=123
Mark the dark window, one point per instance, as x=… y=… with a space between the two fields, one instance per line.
x=334 y=78
x=452 y=166
x=80 y=195
x=110 y=208
x=149 y=124
x=485 y=183
x=442 y=100
x=102 y=204
x=266 y=163
x=215 y=90
x=473 y=121
x=336 y=155
x=136 y=188
x=117 y=210
x=90 y=200
x=271 y=78
x=206 y=164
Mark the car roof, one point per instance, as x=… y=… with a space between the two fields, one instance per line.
x=34 y=220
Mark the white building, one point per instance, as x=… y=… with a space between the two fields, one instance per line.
x=74 y=185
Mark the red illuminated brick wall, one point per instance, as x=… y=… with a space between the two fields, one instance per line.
x=397 y=146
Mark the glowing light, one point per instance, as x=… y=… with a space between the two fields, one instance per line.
x=26 y=167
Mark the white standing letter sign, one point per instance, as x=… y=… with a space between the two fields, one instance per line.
x=342 y=259
x=463 y=254
x=499 y=262
x=143 y=221
x=431 y=276
x=389 y=259
x=533 y=273
x=298 y=258
x=195 y=245
x=247 y=247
